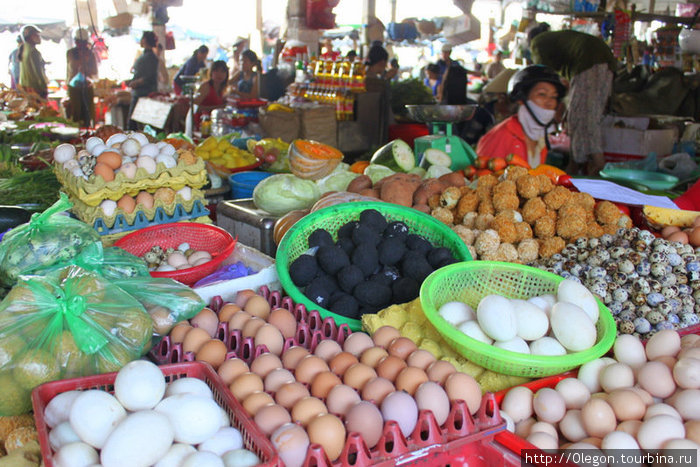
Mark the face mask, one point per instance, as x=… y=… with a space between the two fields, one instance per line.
x=534 y=129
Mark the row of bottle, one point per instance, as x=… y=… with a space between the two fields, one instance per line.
x=342 y=99
x=337 y=74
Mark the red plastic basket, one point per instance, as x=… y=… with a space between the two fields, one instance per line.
x=215 y=240
x=253 y=439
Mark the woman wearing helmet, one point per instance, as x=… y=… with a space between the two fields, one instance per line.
x=31 y=74
x=538 y=90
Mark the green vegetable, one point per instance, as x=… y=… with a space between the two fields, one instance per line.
x=376 y=172
x=18 y=187
x=435 y=171
x=433 y=156
x=397 y=155
x=338 y=180
x=409 y=92
x=282 y=193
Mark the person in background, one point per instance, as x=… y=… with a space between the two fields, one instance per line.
x=495 y=67
x=211 y=94
x=245 y=82
x=351 y=56
x=32 y=76
x=394 y=68
x=13 y=66
x=376 y=63
x=191 y=67
x=81 y=69
x=433 y=78
x=163 y=78
x=239 y=46
x=145 y=77
x=538 y=90
x=588 y=64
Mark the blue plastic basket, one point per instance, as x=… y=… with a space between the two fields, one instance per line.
x=243 y=183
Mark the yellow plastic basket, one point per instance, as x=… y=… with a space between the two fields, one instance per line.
x=472 y=281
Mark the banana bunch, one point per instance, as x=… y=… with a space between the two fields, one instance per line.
x=221 y=152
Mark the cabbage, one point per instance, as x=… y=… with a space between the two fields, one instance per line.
x=376 y=172
x=338 y=180
x=282 y=193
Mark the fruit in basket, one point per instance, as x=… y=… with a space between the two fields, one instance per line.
x=312 y=160
x=14 y=400
x=221 y=152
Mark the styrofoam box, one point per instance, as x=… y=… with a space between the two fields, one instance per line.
x=255 y=259
x=636 y=139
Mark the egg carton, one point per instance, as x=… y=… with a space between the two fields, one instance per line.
x=96 y=190
x=140 y=221
x=311 y=330
x=253 y=439
x=91 y=214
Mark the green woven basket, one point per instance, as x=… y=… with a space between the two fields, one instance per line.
x=332 y=218
x=470 y=282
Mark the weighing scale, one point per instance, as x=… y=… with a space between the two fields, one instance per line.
x=437 y=117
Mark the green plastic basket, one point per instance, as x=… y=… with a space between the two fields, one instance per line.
x=332 y=218
x=470 y=282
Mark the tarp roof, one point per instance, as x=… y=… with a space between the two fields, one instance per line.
x=51 y=29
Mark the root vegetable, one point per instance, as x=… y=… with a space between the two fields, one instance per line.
x=360 y=183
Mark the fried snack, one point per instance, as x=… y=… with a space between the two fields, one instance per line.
x=486 y=207
x=465 y=233
x=444 y=215
x=506 y=187
x=551 y=246
x=509 y=215
x=467 y=203
x=533 y=209
x=450 y=197
x=594 y=230
x=572 y=209
x=514 y=172
x=484 y=193
x=483 y=221
x=503 y=202
x=486 y=181
x=528 y=186
x=607 y=213
x=524 y=230
x=507 y=252
x=505 y=228
x=546 y=184
x=528 y=250
x=551 y=214
x=469 y=219
x=610 y=229
x=545 y=227
x=466 y=190
x=571 y=228
x=557 y=197
x=585 y=200
x=434 y=201
x=487 y=242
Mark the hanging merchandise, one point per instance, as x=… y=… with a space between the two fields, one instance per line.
x=621 y=36
x=319 y=14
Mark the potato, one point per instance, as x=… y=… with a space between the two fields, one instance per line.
x=422 y=208
x=360 y=183
x=371 y=192
x=428 y=188
x=399 y=189
x=453 y=179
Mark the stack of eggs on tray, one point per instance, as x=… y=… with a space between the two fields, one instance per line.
x=523 y=326
x=146 y=422
x=299 y=397
x=643 y=399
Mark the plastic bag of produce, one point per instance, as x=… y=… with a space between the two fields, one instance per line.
x=48 y=238
x=111 y=263
x=67 y=324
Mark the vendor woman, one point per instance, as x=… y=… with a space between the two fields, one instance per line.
x=538 y=90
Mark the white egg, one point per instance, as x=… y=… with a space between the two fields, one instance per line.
x=94 y=415
x=108 y=207
x=130 y=147
x=160 y=144
x=589 y=373
x=194 y=418
x=76 y=454
x=473 y=330
x=546 y=346
x=224 y=440
x=177 y=259
x=149 y=150
x=456 y=313
x=77 y=172
x=64 y=153
x=571 y=426
x=167 y=161
x=619 y=440
x=61 y=435
x=544 y=302
x=628 y=349
x=116 y=138
x=140 y=137
x=129 y=169
x=139 y=385
x=658 y=430
x=93 y=142
x=198 y=256
x=140 y=440
x=532 y=321
x=183 y=247
x=572 y=292
x=185 y=193
x=57 y=410
x=225 y=419
x=496 y=317
x=202 y=459
x=146 y=163
x=574 y=392
x=572 y=327
x=167 y=150
x=240 y=458
x=165 y=268
x=175 y=455
x=98 y=149
x=516 y=344
x=71 y=165
x=518 y=403
x=189 y=386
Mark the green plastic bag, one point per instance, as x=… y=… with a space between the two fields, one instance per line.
x=67 y=324
x=48 y=238
x=112 y=263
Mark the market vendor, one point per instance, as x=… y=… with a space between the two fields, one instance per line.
x=190 y=68
x=31 y=75
x=244 y=83
x=211 y=94
x=588 y=63
x=538 y=90
x=145 y=79
x=376 y=64
x=81 y=69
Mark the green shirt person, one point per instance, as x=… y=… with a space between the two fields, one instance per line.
x=31 y=75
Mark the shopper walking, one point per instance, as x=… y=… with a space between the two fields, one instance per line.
x=81 y=67
x=32 y=76
x=13 y=65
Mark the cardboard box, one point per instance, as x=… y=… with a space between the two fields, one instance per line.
x=636 y=139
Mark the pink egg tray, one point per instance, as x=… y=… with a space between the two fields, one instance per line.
x=311 y=329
